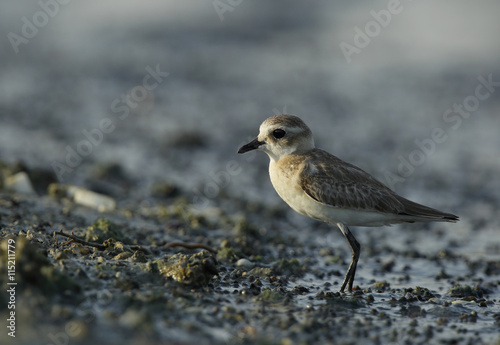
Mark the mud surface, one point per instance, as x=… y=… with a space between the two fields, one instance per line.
x=267 y=282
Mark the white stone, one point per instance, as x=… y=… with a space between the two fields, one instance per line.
x=244 y=263
x=19 y=183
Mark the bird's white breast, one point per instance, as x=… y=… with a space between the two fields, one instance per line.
x=287 y=185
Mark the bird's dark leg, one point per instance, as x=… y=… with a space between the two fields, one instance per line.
x=356 y=249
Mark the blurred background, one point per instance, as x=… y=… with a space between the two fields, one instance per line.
x=142 y=92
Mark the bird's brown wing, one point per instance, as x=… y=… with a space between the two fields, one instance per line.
x=330 y=180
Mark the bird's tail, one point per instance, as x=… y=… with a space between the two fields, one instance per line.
x=420 y=213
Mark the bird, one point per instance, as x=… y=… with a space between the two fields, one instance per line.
x=323 y=187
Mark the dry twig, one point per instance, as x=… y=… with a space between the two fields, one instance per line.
x=79 y=240
x=133 y=248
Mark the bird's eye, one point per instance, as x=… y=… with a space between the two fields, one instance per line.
x=279 y=133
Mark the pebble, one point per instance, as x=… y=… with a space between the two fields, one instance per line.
x=245 y=263
x=123 y=256
x=133 y=318
x=462 y=302
x=19 y=183
x=82 y=196
x=102 y=203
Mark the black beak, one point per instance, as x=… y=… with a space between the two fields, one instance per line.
x=254 y=144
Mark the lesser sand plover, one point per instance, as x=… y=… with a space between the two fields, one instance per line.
x=321 y=186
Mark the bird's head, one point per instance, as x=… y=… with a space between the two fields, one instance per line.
x=281 y=135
